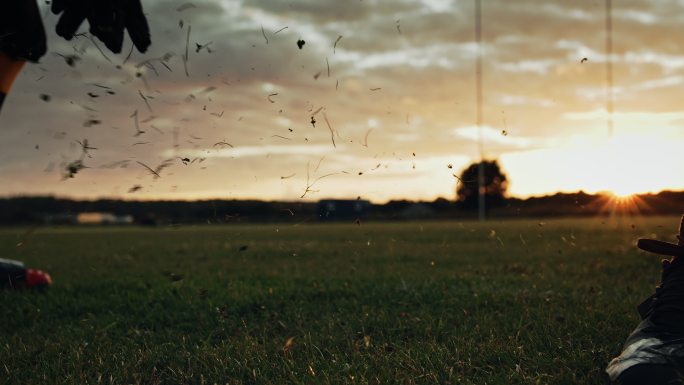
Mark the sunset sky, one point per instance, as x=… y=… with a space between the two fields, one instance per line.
x=400 y=82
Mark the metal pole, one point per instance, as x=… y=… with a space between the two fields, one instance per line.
x=609 y=67
x=478 y=93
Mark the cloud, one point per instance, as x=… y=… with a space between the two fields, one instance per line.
x=252 y=151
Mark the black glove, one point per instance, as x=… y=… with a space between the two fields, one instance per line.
x=107 y=19
x=22 y=35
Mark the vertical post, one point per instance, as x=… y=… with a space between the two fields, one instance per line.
x=478 y=92
x=609 y=67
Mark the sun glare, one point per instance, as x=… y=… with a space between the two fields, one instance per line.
x=621 y=197
x=622 y=205
x=622 y=191
x=629 y=164
x=625 y=164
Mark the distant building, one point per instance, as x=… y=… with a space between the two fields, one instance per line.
x=340 y=209
x=60 y=219
x=103 y=219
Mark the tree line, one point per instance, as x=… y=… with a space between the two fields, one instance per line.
x=52 y=210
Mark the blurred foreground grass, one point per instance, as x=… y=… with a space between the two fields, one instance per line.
x=501 y=302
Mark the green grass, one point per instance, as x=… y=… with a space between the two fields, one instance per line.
x=513 y=302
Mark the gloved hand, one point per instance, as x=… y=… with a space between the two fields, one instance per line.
x=22 y=35
x=107 y=19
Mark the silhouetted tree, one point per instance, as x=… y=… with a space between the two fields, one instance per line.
x=495 y=184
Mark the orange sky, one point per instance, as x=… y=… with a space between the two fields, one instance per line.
x=392 y=78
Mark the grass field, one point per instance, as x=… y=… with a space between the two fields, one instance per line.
x=512 y=302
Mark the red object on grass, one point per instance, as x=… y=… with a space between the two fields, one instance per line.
x=37 y=278
x=15 y=275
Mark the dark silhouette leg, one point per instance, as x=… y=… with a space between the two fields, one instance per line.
x=651 y=374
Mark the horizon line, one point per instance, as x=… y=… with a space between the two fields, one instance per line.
x=309 y=200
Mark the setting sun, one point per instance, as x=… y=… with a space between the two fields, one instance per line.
x=622 y=196
x=626 y=164
x=631 y=164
